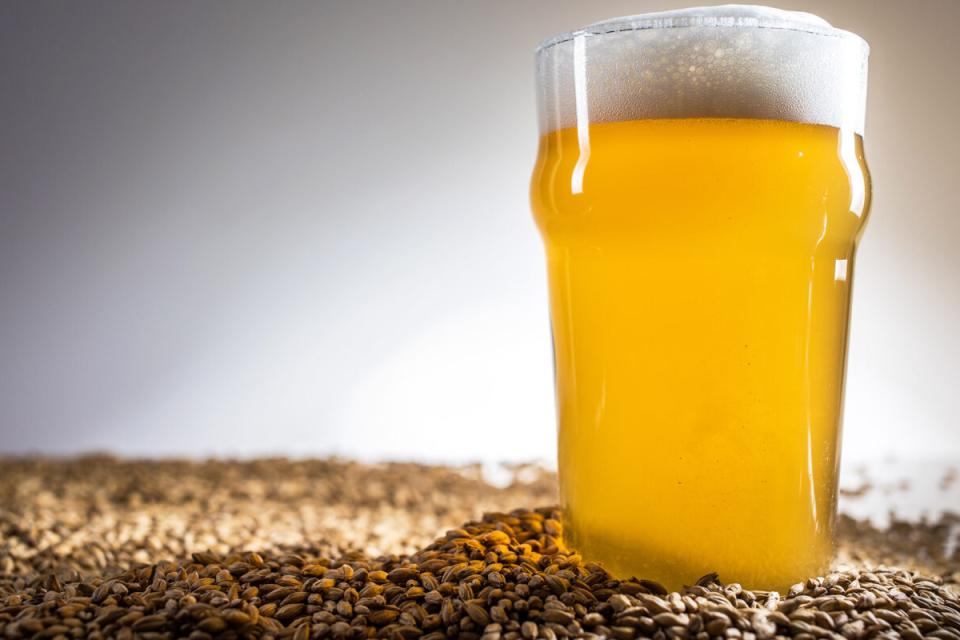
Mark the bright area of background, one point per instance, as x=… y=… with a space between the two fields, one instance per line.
x=240 y=228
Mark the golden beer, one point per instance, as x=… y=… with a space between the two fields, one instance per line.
x=700 y=287
x=700 y=271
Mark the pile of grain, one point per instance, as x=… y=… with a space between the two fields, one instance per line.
x=103 y=548
x=98 y=514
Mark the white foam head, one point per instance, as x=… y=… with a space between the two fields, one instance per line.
x=732 y=61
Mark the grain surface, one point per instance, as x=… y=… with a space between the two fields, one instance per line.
x=99 y=547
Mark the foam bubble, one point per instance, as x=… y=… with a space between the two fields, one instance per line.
x=735 y=61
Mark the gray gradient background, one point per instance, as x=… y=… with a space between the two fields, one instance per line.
x=241 y=228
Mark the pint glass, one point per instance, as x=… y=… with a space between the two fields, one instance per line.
x=700 y=189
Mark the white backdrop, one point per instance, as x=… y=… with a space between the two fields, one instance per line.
x=302 y=228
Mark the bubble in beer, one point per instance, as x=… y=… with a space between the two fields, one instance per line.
x=731 y=61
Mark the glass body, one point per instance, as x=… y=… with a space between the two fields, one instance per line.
x=700 y=272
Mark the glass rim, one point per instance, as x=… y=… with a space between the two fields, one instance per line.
x=654 y=21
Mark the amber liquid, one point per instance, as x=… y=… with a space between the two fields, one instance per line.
x=700 y=274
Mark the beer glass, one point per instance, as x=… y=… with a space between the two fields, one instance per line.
x=700 y=189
